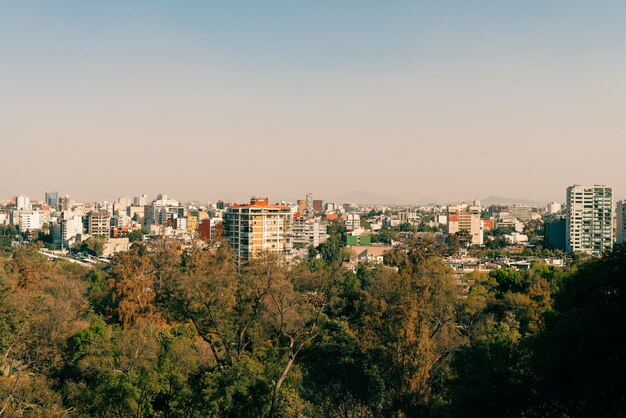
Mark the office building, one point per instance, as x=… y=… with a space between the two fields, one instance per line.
x=520 y=212
x=258 y=227
x=466 y=218
x=65 y=203
x=589 y=219
x=52 y=200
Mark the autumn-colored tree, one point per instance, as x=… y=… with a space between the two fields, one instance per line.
x=131 y=280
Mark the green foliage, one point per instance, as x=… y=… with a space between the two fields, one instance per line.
x=406 y=227
x=81 y=342
x=331 y=251
x=135 y=235
x=241 y=391
x=7 y=234
x=384 y=236
x=580 y=354
x=93 y=245
x=157 y=333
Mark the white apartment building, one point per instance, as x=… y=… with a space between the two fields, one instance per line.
x=23 y=203
x=353 y=221
x=28 y=220
x=71 y=226
x=553 y=207
x=589 y=219
x=160 y=209
x=120 y=207
x=308 y=232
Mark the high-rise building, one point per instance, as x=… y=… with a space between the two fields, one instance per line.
x=65 y=203
x=161 y=209
x=52 y=199
x=140 y=200
x=258 y=227
x=23 y=203
x=466 y=218
x=29 y=220
x=71 y=227
x=621 y=222
x=307 y=231
x=121 y=205
x=589 y=219
x=204 y=229
x=99 y=223
x=309 y=205
x=555 y=233
x=554 y=207
x=318 y=205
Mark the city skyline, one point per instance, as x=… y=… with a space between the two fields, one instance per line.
x=415 y=101
x=358 y=197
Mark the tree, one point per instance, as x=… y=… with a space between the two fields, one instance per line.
x=580 y=354
x=407 y=323
x=331 y=251
x=135 y=235
x=93 y=245
x=406 y=227
x=131 y=282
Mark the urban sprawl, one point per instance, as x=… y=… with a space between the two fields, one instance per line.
x=476 y=237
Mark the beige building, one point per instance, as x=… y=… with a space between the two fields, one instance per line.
x=368 y=253
x=99 y=223
x=258 y=227
x=115 y=245
x=466 y=218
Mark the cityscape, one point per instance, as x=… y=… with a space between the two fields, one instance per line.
x=328 y=209
x=589 y=222
x=202 y=290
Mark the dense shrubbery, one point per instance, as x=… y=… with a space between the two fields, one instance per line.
x=158 y=333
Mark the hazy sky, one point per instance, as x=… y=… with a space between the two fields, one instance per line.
x=442 y=99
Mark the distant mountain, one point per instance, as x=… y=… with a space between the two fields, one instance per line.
x=428 y=201
x=362 y=197
x=368 y=198
x=499 y=200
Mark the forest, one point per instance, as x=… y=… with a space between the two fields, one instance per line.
x=162 y=333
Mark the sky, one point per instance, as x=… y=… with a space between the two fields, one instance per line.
x=441 y=100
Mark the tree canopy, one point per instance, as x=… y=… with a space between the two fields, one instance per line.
x=158 y=332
